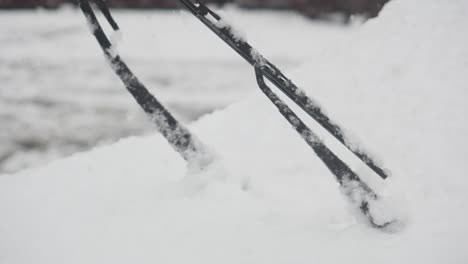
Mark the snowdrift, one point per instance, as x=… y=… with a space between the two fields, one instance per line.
x=398 y=83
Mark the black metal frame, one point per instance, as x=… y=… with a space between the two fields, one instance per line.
x=181 y=139
x=273 y=74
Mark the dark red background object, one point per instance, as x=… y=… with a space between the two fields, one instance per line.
x=310 y=8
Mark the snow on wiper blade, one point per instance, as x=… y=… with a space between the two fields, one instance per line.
x=231 y=37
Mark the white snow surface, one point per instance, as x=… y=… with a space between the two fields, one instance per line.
x=398 y=83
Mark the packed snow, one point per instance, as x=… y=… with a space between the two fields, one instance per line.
x=398 y=83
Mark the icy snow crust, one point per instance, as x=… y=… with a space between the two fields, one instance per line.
x=399 y=83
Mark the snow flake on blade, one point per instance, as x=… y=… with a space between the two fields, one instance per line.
x=260 y=61
x=115 y=38
x=369 y=207
x=91 y=25
x=225 y=24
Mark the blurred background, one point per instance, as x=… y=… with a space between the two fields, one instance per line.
x=58 y=96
